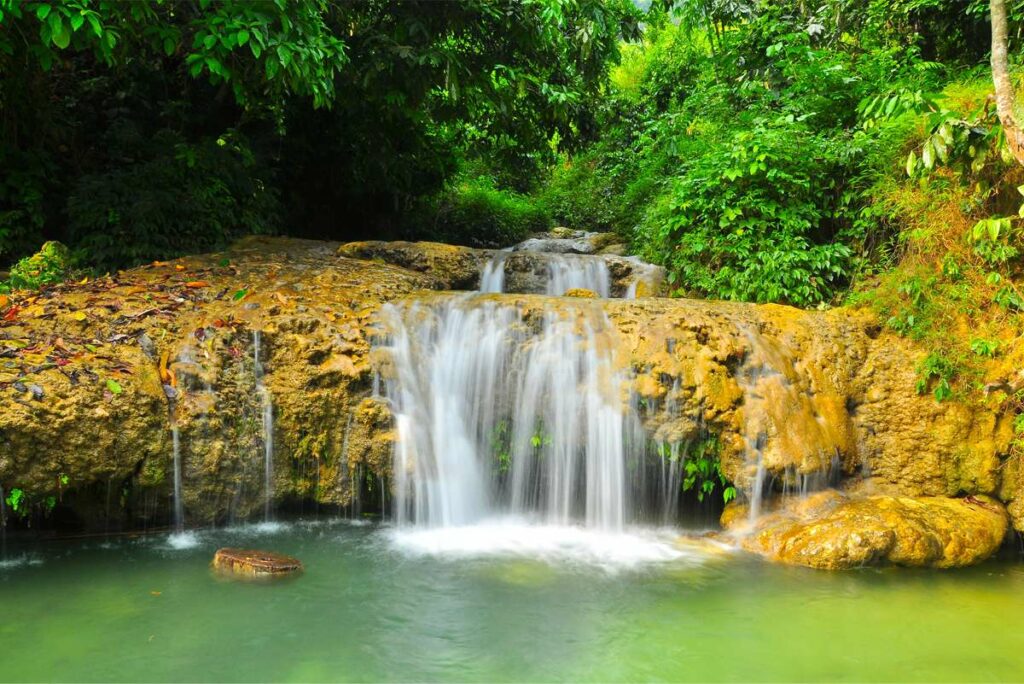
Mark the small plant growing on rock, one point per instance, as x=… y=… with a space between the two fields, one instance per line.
x=936 y=372
x=704 y=471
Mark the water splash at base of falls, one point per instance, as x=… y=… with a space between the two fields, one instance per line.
x=525 y=538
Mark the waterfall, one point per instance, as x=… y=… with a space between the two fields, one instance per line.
x=267 y=406
x=492 y=278
x=567 y=272
x=563 y=272
x=179 y=505
x=3 y=525
x=505 y=410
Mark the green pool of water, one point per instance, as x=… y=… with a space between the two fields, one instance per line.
x=367 y=609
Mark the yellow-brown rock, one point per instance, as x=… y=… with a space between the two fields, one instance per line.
x=254 y=563
x=580 y=293
x=831 y=531
x=91 y=375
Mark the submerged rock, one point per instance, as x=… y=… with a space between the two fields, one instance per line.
x=831 y=531
x=254 y=563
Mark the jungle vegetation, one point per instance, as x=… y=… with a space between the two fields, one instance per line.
x=807 y=152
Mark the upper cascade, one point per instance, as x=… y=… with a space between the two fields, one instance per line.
x=572 y=260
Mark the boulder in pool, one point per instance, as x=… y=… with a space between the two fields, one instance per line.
x=831 y=531
x=255 y=563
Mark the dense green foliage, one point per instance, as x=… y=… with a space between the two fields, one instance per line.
x=473 y=211
x=786 y=151
x=753 y=147
x=134 y=131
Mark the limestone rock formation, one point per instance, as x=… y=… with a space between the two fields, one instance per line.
x=93 y=375
x=831 y=531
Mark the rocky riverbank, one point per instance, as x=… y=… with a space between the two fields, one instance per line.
x=94 y=375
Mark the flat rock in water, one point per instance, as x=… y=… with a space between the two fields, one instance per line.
x=254 y=563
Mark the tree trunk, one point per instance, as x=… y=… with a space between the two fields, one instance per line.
x=1005 y=99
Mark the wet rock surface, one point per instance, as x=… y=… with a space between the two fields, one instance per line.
x=93 y=374
x=831 y=531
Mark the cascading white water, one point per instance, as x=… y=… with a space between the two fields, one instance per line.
x=492 y=278
x=3 y=525
x=179 y=505
x=567 y=272
x=267 y=411
x=564 y=272
x=504 y=411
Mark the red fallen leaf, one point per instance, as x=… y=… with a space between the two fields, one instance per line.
x=235 y=352
x=197 y=283
x=219 y=323
x=12 y=313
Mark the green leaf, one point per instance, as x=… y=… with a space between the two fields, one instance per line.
x=911 y=164
x=114 y=386
x=242 y=37
x=926 y=155
x=15 y=498
x=42 y=11
x=239 y=295
x=61 y=37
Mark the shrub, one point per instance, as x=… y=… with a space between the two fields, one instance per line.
x=170 y=197
x=473 y=212
x=752 y=218
x=582 y=195
x=50 y=265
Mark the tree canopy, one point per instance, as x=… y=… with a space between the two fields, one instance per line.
x=137 y=129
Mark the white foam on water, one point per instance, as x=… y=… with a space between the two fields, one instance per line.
x=180 y=541
x=11 y=563
x=267 y=527
x=562 y=544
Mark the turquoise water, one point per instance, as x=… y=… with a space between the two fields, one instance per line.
x=493 y=606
